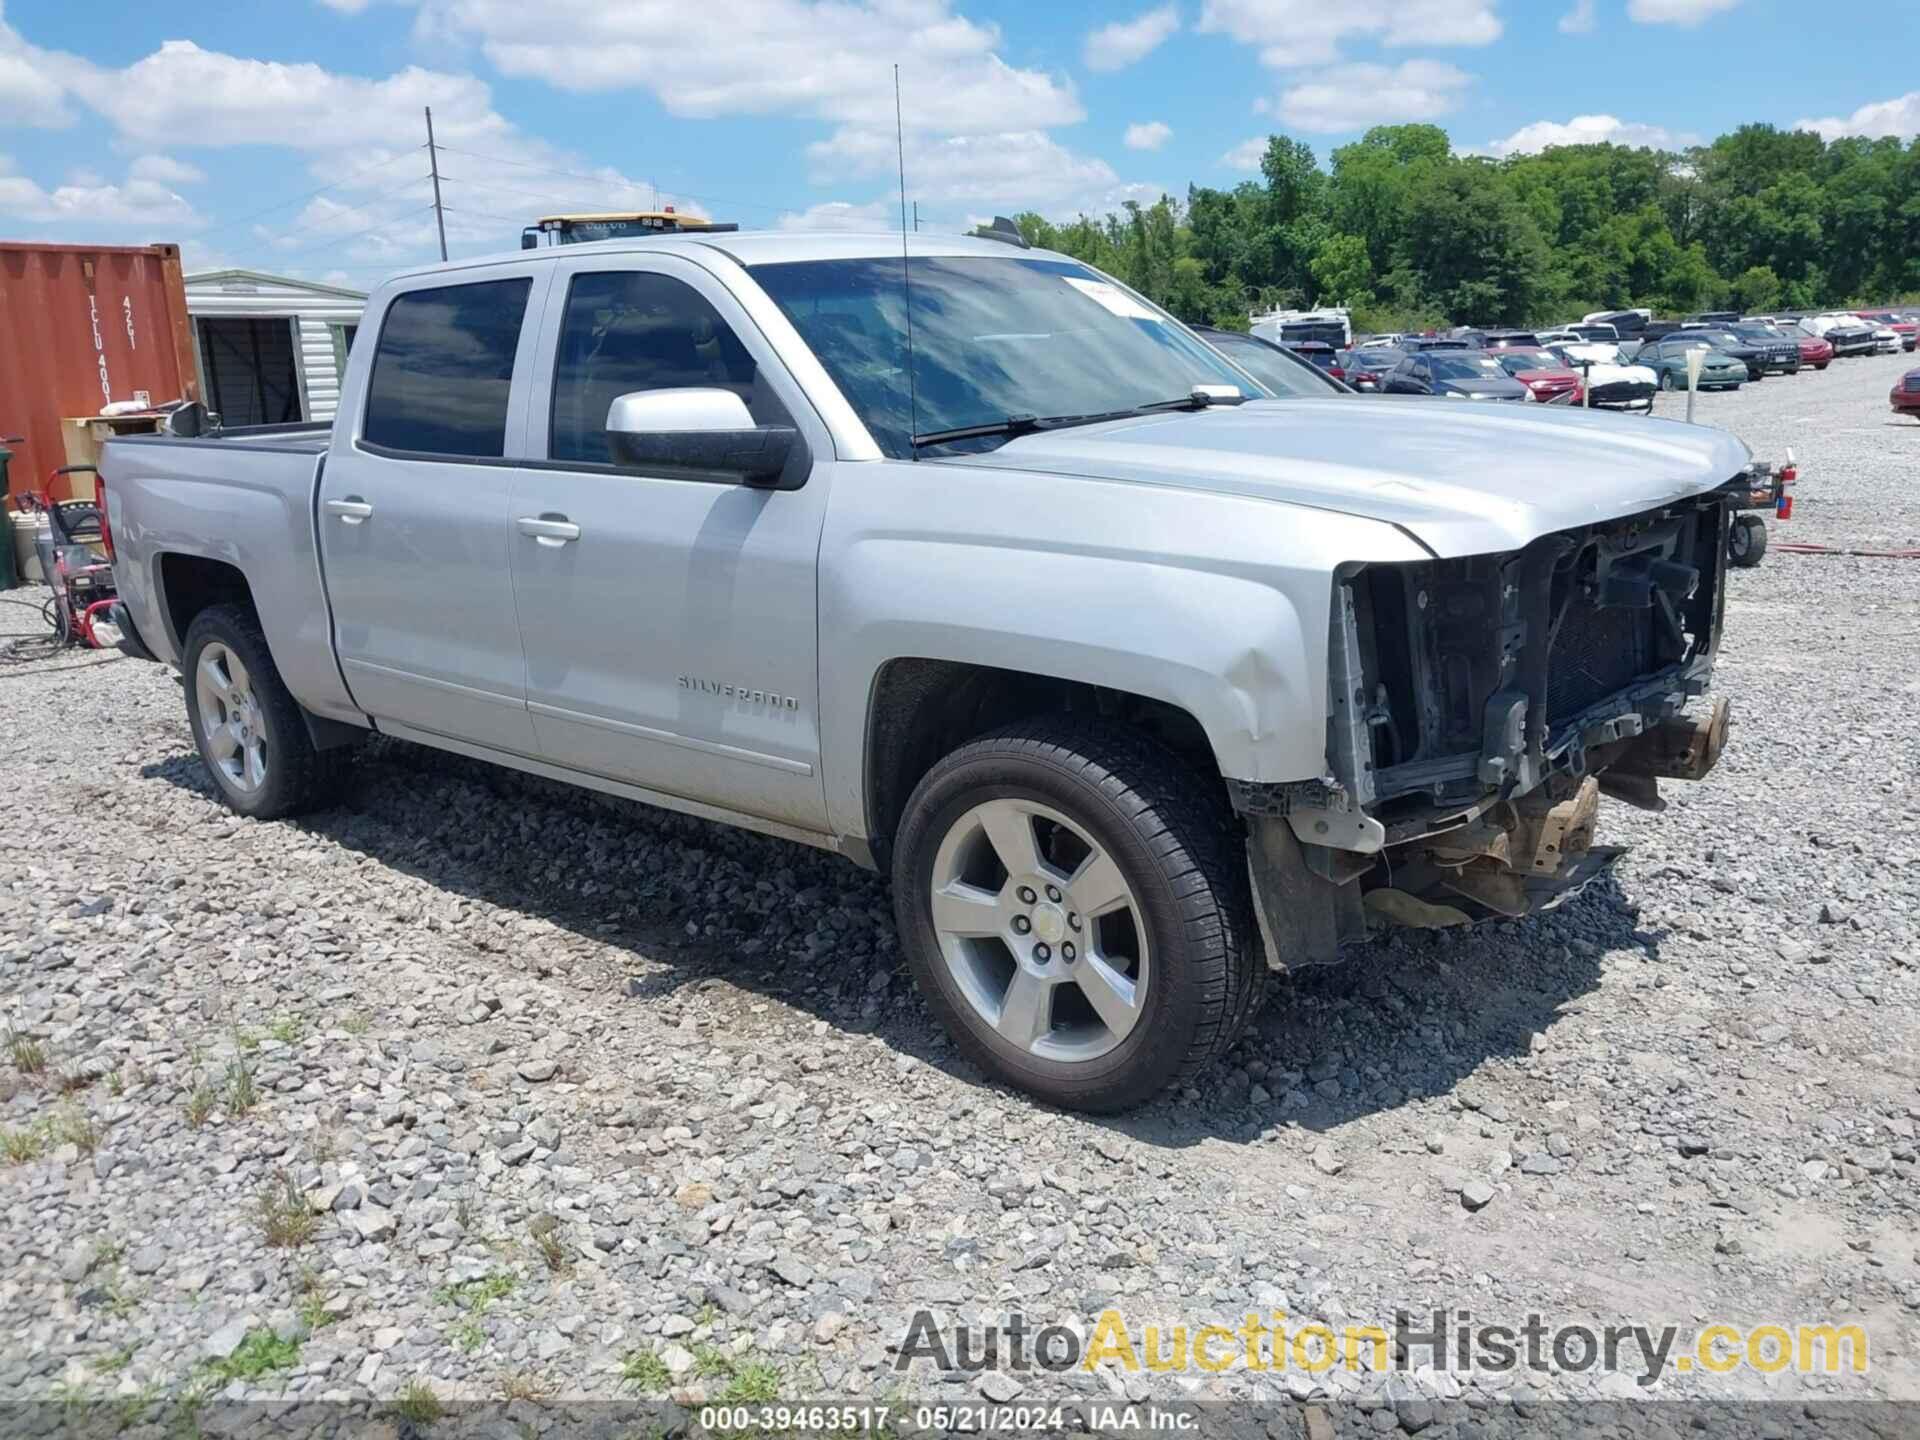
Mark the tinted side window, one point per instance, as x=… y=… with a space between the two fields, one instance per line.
x=631 y=330
x=444 y=367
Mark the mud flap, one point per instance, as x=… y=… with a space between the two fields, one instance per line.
x=1303 y=916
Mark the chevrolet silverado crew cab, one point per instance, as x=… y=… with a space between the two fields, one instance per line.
x=1140 y=681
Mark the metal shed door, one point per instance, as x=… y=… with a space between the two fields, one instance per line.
x=249 y=366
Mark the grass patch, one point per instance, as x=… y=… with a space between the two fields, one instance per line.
x=521 y=1385
x=200 y=1102
x=313 y=1300
x=26 y=1055
x=241 y=1093
x=545 y=1232
x=287 y=1029
x=354 y=1023
x=20 y=1146
x=116 y=1361
x=261 y=1353
x=644 y=1371
x=75 y=1127
x=474 y=1296
x=286 y=1220
x=417 y=1404
x=246 y=1041
x=467 y=1337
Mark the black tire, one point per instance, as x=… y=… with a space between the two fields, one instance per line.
x=1178 y=848
x=1666 y=380
x=1746 y=541
x=299 y=777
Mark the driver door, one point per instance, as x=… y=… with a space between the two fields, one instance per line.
x=669 y=623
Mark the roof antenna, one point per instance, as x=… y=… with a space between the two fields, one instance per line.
x=906 y=273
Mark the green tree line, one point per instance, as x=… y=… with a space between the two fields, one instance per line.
x=1413 y=235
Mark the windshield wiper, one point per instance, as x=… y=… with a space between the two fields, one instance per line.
x=1199 y=399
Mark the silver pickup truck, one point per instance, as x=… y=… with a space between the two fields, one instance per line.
x=1140 y=681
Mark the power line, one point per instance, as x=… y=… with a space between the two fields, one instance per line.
x=331 y=240
x=373 y=199
x=321 y=190
x=602 y=180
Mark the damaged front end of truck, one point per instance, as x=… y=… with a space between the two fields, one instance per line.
x=1479 y=707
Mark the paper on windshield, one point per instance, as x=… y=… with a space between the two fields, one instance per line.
x=1113 y=298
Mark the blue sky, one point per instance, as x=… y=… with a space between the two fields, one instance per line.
x=288 y=135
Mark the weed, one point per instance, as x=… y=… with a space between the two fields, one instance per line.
x=709 y=1314
x=260 y=1353
x=285 y=1217
x=287 y=1029
x=116 y=1084
x=463 y=1215
x=753 y=1382
x=313 y=1300
x=108 y=1252
x=323 y=1145
x=354 y=1024
x=521 y=1385
x=467 y=1337
x=75 y=1127
x=545 y=1230
x=26 y=1055
x=418 y=1405
x=20 y=1146
x=200 y=1102
x=70 y=1080
x=246 y=1041
x=118 y=1360
x=242 y=1093
x=644 y=1371
x=474 y=1296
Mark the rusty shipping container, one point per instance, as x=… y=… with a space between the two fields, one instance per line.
x=81 y=326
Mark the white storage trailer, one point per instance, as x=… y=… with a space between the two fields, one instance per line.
x=270 y=349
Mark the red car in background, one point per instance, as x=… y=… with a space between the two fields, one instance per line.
x=1894 y=320
x=1319 y=354
x=1545 y=375
x=1906 y=394
x=1814 y=350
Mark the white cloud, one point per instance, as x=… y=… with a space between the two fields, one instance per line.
x=1676 y=12
x=1149 y=135
x=823 y=59
x=347 y=7
x=1899 y=117
x=843 y=215
x=1585 y=130
x=32 y=82
x=1247 y=155
x=165 y=169
x=1579 y=20
x=87 y=204
x=1309 y=32
x=1126 y=42
x=1005 y=172
x=1349 y=97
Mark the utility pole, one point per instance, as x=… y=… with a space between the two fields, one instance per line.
x=916 y=215
x=433 y=164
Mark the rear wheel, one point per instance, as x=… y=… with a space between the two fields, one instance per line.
x=1747 y=541
x=1666 y=380
x=1074 y=908
x=248 y=727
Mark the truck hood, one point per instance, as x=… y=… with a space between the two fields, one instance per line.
x=1461 y=478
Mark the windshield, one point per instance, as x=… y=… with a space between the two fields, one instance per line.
x=1448 y=365
x=1714 y=337
x=1280 y=372
x=1515 y=361
x=993 y=338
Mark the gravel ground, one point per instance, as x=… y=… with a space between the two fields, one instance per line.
x=506 y=1089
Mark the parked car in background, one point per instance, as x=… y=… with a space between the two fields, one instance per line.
x=1457 y=374
x=1416 y=344
x=1561 y=337
x=1365 y=367
x=1274 y=366
x=1714 y=317
x=1548 y=378
x=1848 y=334
x=1083 y=679
x=1667 y=358
x=1594 y=331
x=1815 y=350
x=1766 y=349
x=1319 y=354
x=1906 y=394
x=1611 y=381
x=1625 y=322
x=1507 y=339
x=1886 y=339
x=1902 y=324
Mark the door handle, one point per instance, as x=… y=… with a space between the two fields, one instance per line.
x=352 y=510
x=548 y=530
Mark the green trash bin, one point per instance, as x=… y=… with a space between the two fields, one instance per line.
x=8 y=579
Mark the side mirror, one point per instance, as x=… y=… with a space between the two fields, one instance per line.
x=703 y=432
x=188 y=420
x=529 y=239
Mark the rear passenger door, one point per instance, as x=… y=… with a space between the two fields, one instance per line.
x=668 y=621
x=413 y=510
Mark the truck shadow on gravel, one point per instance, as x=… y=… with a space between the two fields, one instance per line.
x=687 y=915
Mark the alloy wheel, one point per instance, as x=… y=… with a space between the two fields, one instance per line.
x=230 y=718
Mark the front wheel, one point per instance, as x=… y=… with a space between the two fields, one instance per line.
x=1074 y=907
x=246 y=724
x=1747 y=541
x=1666 y=380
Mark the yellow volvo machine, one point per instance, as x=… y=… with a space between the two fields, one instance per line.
x=618 y=225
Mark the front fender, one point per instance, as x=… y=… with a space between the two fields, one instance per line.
x=1217 y=605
